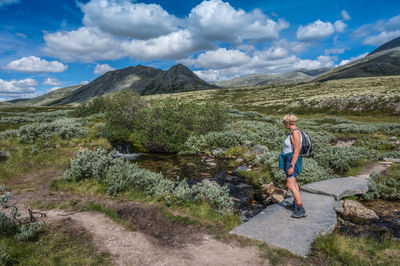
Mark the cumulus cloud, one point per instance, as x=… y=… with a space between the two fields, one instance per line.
x=220 y=64
x=379 y=32
x=86 y=44
x=319 y=30
x=101 y=69
x=175 y=45
x=4 y=3
x=17 y=86
x=345 y=15
x=124 y=18
x=52 y=82
x=33 y=64
x=381 y=38
x=116 y=29
x=344 y=62
x=84 y=82
x=216 y=20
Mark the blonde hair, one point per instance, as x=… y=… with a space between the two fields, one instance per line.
x=290 y=118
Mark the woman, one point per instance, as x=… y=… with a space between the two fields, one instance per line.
x=291 y=162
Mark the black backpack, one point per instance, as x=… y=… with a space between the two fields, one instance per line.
x=306 y=146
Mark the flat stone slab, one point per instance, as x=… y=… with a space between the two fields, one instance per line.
x=275 y=226
x=393 y=160
x=338 y=187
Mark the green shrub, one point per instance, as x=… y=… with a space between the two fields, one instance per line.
x=160 y=126
x=95 y=106
x=3 y=155
x=29 y=232
x=65 y=128
x=391 y=154
x=340 y=159
x=383 y=188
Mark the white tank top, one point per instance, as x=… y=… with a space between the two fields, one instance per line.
x=288 y=148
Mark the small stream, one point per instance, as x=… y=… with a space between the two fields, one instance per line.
x=195 y=168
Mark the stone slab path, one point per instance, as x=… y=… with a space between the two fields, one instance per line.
x=275 y=226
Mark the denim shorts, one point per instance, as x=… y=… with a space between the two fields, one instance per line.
x=287 y=160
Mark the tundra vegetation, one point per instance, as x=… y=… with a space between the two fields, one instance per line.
x=77 y=141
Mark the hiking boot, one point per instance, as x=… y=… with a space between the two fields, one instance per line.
x=299 y=212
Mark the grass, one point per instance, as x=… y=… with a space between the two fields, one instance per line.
x=344 y=250
x=61 y=244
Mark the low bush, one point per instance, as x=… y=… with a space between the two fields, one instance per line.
x=95 y=106
x=65 y=128
x=340 y=159
x=383 y=188
x=120 y=175
x=3 y=155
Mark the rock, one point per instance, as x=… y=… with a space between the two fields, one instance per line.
x=338 y=206
x=338 y=187
x=276 y=198
x=354 y=209
x=212 y=164
x=280 y=191
x=275 y=226
x=393 y=138
x=267 y=201
x=243 y=168
x=239 y=160
x=268 y=188
x=248 y=143
x=260 y=149
x=210 y=160
x=393 y=160
x=264 y=196
x=217 y=151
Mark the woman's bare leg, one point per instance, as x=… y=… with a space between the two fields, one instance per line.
x=294 y=188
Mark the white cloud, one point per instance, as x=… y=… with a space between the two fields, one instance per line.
x=220 y=64
x=87 y=44
x=221 y=58
x=53 y=89
x=319 y=30
x=345 y=15
x=4 y=3
x=33 y=64
x=335 y=51
x=17 y=86
x=339 y=26
x=175 y=45
x=52 y=82
x=380 y=32
x=84 y=82
x=381 y=38
x=315 y=31
x=216 y=20
x=124 y=18
x=343 y=62
x=101 y=69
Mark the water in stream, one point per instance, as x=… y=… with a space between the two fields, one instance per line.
x=196 y=168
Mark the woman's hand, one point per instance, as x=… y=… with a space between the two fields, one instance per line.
x=290 y=171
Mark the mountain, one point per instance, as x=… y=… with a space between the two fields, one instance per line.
x=145 y=80
x=383 y=61
x=301 y=75
x=47 y=98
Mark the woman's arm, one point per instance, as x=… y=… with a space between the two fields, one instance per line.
x=295 y=139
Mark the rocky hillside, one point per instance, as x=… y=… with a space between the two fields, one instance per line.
x=301 y=75
x=383 y=61
x=145 y=80
x=45 y=99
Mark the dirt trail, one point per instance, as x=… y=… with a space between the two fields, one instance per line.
x=379 y=168
x=135 y=248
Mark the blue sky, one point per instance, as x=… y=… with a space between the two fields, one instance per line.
x=45 y=44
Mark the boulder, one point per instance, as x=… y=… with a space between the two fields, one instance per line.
x=276 y=198
x=217 y=151
x=260 y=149
x=248 y=143
x=239 y=160
x=268 y=188
x=355 y=210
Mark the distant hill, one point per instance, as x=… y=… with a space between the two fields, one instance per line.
x=47 y=98
x=301 y=75
x=145 y=80
x=383 y=61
